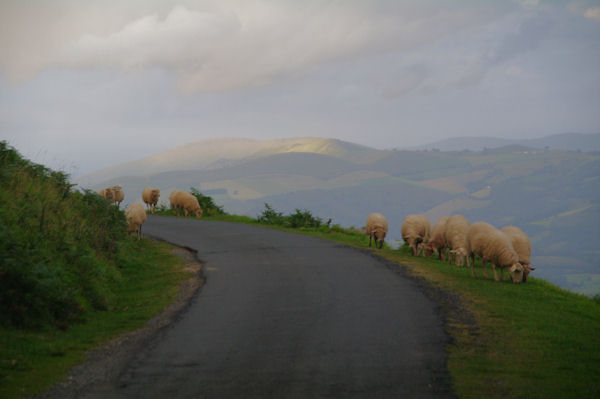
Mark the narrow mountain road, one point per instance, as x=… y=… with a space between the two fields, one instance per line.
x=284 y=315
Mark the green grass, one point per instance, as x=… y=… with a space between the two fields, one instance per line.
x=31 y=360
x=531 y=340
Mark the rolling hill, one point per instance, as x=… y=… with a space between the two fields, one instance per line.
x=565 y=141
x=553 y=195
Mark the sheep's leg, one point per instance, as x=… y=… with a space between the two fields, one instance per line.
x=472 y=266
x=370 y=239
x=484 y=261
x=501 y=274
x=495 y=272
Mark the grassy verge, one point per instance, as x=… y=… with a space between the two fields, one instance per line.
x=33 y=360
x=530 y=340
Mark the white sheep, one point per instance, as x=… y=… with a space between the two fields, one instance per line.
x=493 y=246
x=107 y=194
x=456 y=238
x=415 y=231
x=376 y=228
x=437 y=242
x=150 y=197
x=189 y=203
x=174 y=200
x=522 y=245
x=136 y=216
x=118 y=195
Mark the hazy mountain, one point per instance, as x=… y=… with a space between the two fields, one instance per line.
x=218 y=153
x=565 y=141
x=553 y=195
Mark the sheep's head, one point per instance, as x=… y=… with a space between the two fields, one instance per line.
x=155 y=194
x=198 y=213
x=460 y=254
x=428 y=250
x=379 y=236
x=516 y=273
x=526 y=270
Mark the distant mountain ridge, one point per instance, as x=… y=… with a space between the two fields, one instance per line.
x=216 y=153
x=565 y=141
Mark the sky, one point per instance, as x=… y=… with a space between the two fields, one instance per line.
x=89 y=84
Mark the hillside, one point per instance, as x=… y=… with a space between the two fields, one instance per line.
x=565 y=141
x=554 y=196
x=219 y=153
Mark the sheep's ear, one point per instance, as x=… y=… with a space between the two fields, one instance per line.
x=513 y=268
x=531 y=267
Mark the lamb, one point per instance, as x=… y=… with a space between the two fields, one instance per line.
x=522 y=245
x=437 y=242
x=150 y=196
x=456 y=238
x=136 y=216
x=118 y=195
x=415 y=231
x=377 y=228
x=495 y=247
x=107 y=194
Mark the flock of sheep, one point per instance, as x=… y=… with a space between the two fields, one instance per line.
x=452 y=237
x=135 y=213
x=455 y=238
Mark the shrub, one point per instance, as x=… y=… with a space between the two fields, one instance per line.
x=298 y=219
x=57 y=246
x=206 y=203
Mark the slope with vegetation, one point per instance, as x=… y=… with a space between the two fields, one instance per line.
x=70 y=277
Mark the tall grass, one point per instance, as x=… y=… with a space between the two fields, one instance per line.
x=58 y=247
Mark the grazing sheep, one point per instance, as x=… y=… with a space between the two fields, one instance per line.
x=415 y=231
x=189 y=203
x=377 y=228
x=495 y=247
x=522 y=245
x=136 y=216
x=150 y=196
x=456 y=238
x=118 y=195
x=437 y=242
x=107 y=194
x=173 y=199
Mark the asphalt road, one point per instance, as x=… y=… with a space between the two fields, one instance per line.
x=284 y=315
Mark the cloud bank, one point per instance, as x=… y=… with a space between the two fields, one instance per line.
x=215 y=46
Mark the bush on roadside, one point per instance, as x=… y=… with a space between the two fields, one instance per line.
x=57 y=245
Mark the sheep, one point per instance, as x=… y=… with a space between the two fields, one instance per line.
x=456 y=238
x=185 y=201
x=136 y=216
x=173 y=200
x=522 y=245
x=415 y=231
x=189 y=203
x=107 y=194
x=118 y=195
x=495 y=247
x=150 y=196
x=377 y=228
x=437 y=242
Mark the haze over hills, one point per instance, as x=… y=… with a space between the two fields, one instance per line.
x=553 y=195
x=217 y=153
x=565 y=141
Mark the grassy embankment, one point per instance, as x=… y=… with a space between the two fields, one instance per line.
x=70 y=278
x=531 y=340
